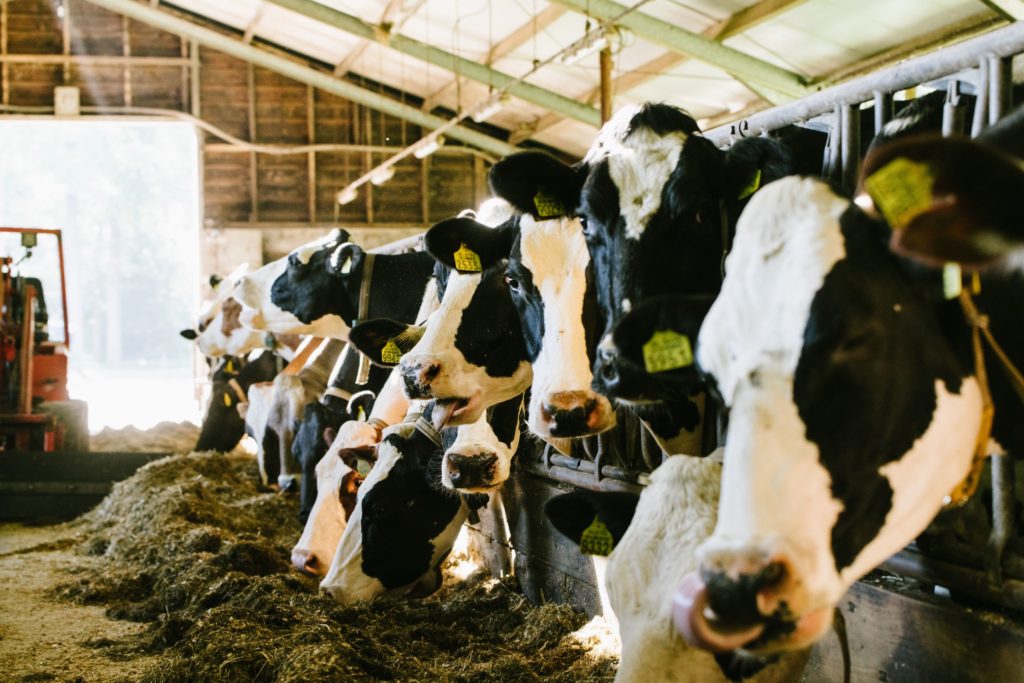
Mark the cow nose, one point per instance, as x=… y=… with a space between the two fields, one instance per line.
x=569 y=413
x=287 y=483
x=305 y=561
x=471 y=471
x=418 y=377
x=743 y=599
x=607 y=373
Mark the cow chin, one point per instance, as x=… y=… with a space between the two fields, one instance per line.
x=570 y=414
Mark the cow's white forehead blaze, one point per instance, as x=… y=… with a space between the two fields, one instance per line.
x=639 y=163
x=556 y=255
x=306 y=251
x=787 y=241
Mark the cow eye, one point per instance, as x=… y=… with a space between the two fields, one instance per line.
x=586 y=225
x=512 y=283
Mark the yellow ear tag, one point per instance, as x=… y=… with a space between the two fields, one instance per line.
x=902 y=189
x=361 y=414
x=751 y=187
x=548 y=206
x=227 y=400
x=952 y=280
x=363 y=467
x=229 y=367
x=466 y=260
x=596 y=539
x=667 y=350
x=391 y=353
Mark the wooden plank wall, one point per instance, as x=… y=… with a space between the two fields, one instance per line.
x=151 y=68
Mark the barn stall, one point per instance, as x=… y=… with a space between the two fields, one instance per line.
x=295 y=118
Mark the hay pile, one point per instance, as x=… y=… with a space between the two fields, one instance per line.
x=166 y=437
x=193 y=547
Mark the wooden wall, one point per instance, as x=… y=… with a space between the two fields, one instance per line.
x=117 y=62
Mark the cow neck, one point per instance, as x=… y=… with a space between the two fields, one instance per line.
x=978 y=323
x=334 y=384
x=325 y=356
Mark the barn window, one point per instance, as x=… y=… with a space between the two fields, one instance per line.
x=126 y=197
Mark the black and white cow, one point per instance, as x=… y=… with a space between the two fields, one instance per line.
x=223 y=426
x=318 y=287
x=404 y=523
x=854 y=412
x=343 y=400
x=655 y=548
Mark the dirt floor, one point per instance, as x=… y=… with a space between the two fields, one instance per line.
x=182 y=574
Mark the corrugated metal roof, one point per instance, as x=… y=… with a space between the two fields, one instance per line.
x=813 y=38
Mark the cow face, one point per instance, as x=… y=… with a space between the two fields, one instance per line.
x=306 y=292
x=850 y=422
x=404 y=524
x=550 y=278
x=339 y=474
x=480 y=460
x=225 y=334
x=471 y=351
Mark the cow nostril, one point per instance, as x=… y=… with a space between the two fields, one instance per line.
x=738 y=601
x=431 y=371
x=608 y=371
x=311 y=562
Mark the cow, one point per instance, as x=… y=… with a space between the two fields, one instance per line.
x=223 y=426
x=321 y=288
x=343 y=400
x=404 y=523
x=855 y=411
x=654 y=542
x=968 y=211
x=278 y=406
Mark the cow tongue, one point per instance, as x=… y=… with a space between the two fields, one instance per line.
x=444 y=409
x=689 y=606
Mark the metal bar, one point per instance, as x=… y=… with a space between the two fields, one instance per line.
x=980 y=121
x=299 y=72
x=582 y=479
x=883 y=109
x=732 y=61
x=999 y=84
x=1003 y=504
x=833 y=169
x=951 y=112
x=849 y=143
x=1002 y=42
x=459 y=65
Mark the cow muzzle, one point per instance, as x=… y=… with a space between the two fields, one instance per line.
x=418 y=378
x=573 y=414
x=307 y=562
x=470 y=472
x=746 y=602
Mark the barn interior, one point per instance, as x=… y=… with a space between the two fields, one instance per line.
x=157 y=152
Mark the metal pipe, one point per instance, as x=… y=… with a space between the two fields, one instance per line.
x=582 y=479
x=849 y=141
x=883 y=109
x=961 y=579
x=980 y=122
x=606 y=85
x=1003 y=503
x=999 y=83
x=1002 y=42
x=833 y=168
x=299 y=72
x=734 y=62
x=473 y=70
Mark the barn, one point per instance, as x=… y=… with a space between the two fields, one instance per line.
x=423 y=340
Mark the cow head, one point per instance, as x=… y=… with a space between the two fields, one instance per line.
x=314 y=290
x=404 y=523
x=852 y=417
x=970 y=210
x=339 y=475
x=480 y=460
x=550 y=278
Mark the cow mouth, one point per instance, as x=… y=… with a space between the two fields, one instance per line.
x=781 y=630
x=457 y=411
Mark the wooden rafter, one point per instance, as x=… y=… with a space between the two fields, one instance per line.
x=388 y=16
x=732 y=25
x=503 y=47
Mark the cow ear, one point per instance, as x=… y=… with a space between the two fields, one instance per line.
x=752 y=163
x=361 y=454
x=479 y=247
x=329 y=434
x=592 y=517
x=384 y=341
x=345 y=258
x=189 y=334
x=537 y=184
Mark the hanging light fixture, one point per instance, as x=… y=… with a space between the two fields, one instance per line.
x=383 y=175
x=347 y=196
x=490 y=108
x=428 y=147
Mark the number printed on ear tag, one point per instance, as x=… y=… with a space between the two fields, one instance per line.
x=548 y=206
x=667 y=350
x=363 y=467
x=596 y=539
x=466 y=260
x=391 y=353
